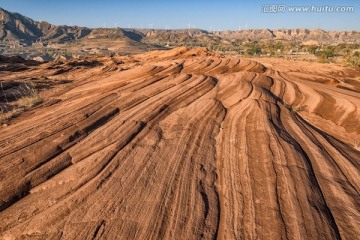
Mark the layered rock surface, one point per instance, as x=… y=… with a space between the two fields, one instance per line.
x=184 y=144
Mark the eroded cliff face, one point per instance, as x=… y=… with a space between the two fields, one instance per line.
x=184 y=144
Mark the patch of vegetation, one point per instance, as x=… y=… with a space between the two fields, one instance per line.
x=294 y=109
x=29 y=101
x=327 y=53
x=312 y=49
x=27 y=96
x=255 y=49
x=299 y=108
x=357 y=145
x=6 y=116
x=51 y=52
x=353 y=61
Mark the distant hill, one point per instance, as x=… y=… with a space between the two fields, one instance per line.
x=15 y=27
x=295 y=35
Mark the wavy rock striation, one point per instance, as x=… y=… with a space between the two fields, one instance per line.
x=185 y=144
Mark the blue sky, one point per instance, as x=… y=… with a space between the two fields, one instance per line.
x=205 y=14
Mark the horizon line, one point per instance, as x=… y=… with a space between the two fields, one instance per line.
x=185 y=28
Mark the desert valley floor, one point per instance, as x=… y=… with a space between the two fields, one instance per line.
x=183 y=144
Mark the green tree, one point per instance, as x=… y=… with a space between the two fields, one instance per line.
x=312 y=49
x=329 y=52
x=254 y=50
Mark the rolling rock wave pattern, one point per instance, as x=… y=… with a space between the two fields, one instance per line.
x=185 y=144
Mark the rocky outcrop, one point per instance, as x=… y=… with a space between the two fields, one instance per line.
x=184 y=144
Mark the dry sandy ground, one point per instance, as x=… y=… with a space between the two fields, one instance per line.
x=184 y=144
